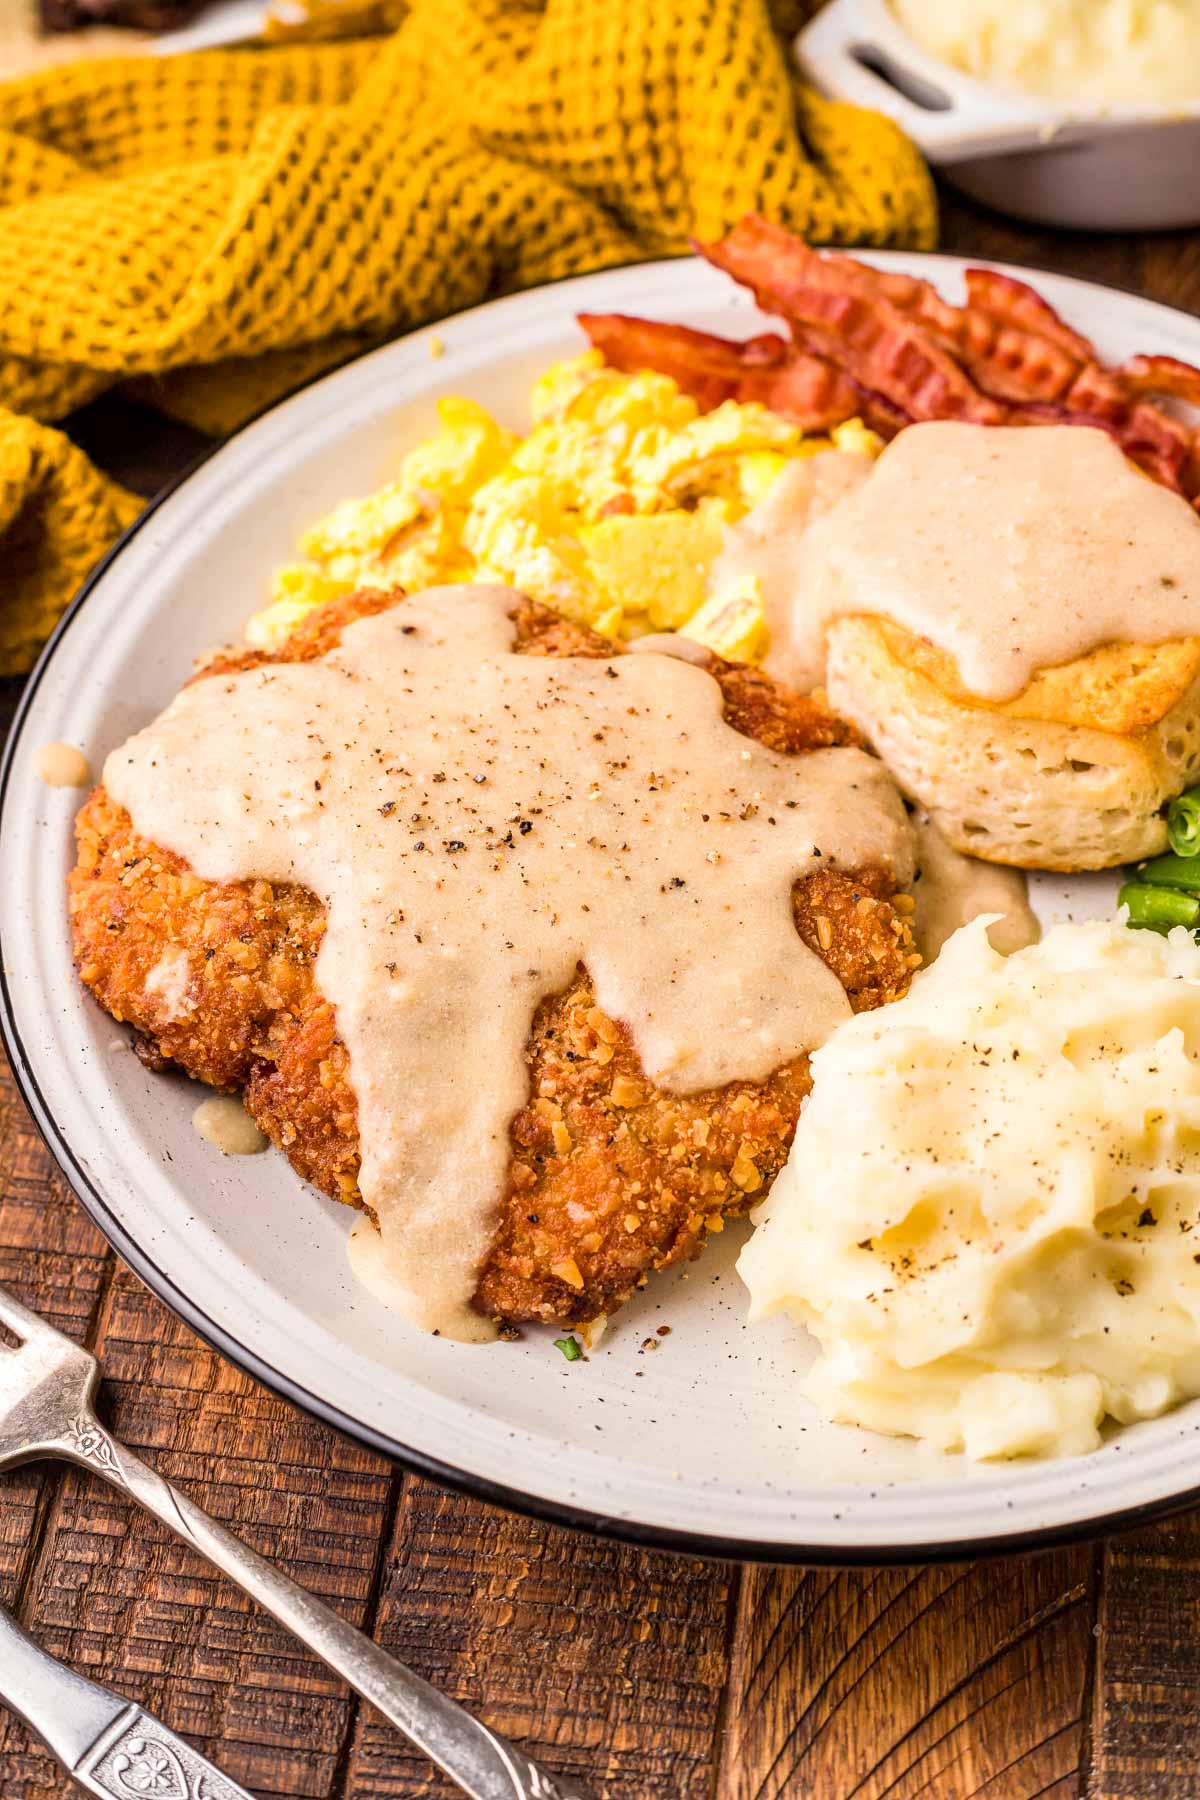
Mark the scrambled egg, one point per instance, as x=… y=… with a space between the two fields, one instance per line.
x=611 y=510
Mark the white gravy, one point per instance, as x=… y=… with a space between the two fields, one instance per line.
x=225 y=1123
x=772 y=544
x=62 y=765
x=952 y=889
x=167 y=984
x=476 y=822
x=1012 y=549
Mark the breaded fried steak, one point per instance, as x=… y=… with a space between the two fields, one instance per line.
x=609 y=1176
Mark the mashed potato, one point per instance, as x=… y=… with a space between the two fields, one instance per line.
x=611 y=510
x=1076 y=50
x=990 y=1218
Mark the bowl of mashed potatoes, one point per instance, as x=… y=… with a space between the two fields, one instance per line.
x=1081 y=113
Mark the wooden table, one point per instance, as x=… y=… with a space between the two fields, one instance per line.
x=647 y=1677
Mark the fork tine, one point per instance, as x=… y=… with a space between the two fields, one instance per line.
x=24 y=1323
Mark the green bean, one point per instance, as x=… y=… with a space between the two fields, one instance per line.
x=1157 y=908
x=1171 y=872
x=1183 y=823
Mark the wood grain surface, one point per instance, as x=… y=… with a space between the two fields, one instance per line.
x=646 y=1677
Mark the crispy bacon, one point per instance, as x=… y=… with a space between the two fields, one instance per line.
x=1012 y=343
x=887 y=354
x=808 y=389
x=1161 y=375
x=832 y=309
x=772 y=262
x=708 y=368
x=1004 y=338
x=882 y=415
x=1012 y=302
x=1159 y=442
x=797 y=384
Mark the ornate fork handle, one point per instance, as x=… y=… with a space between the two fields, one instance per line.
x=109 y=1746
x=483 y=1764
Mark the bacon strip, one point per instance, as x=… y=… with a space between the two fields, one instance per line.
x=808 y=389
x=1161 y=375
x=708 y=368
x=831 y=309
x=1012 y=302
x=1007 y=344
x=1156 y=440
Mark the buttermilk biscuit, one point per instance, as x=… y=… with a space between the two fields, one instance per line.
x=1072 y=774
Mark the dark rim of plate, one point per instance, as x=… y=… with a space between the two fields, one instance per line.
x=577 y=1518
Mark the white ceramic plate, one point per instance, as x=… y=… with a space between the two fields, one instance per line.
x=701 y=1444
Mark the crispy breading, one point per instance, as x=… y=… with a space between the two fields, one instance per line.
x=610 y=1177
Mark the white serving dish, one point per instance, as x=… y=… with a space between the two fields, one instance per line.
x=1113 y=168
x=703 y=1446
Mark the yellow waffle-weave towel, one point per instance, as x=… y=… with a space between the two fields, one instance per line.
x=217 y=224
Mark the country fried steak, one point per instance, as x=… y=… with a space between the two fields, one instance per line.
x=609 y=1177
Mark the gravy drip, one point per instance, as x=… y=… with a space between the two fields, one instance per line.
x=476 y=823
x=227 y=1126
x=62 y=765
x=952 y=889
x=1012 y=549
x=670 y=643
x=772 y=545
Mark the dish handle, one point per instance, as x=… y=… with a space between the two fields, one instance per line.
x=856 y=50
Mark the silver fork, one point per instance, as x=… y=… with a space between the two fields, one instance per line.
x=47 y=1390
x=108 y=1746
